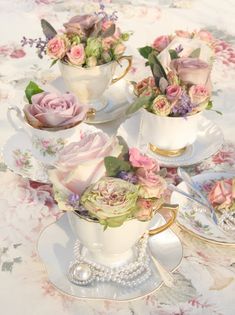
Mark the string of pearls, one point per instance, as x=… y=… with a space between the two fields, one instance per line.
x=83 y=271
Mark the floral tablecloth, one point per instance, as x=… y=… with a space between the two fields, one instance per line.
x=205 y=280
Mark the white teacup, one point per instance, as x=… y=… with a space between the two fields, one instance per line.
x=169 y=136
x=46 y=143
x=89 y=84
x=113 y=246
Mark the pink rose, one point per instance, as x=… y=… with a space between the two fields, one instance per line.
x=183 y=34
x=81 y=25
x=54 y=110
x=77 y=55
x=199 y=94
x=146 y=208
x=191 y=70
x=151 y=184
x=161 y=42
x=161 y=106
x=57 y=47
x=173 y=92
x=140 y=160
x=222 y=194
x=145 y=87
x=82 y=163
x=205 y=36
x=106 y=24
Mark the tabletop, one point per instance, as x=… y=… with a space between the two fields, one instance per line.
x=205 y=280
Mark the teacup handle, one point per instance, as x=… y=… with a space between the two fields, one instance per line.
x=172 y=209
x=10 y=118
x=129 y=59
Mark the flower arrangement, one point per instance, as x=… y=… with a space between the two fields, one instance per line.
x=52 y=110
x=222 y=194
x=180 y=84
x=101 y=179
x=87 y=40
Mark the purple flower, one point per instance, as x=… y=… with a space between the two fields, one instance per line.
x=128 y=176
x=39 y=43
x=179 y=48
x=183 y=106
x=74 y=200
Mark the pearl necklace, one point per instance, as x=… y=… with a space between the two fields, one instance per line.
x=83 y=271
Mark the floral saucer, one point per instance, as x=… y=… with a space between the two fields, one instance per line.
x=55 y=248
x=19 y=159
x=196 y=219
x=119 y=96
x=208 y=142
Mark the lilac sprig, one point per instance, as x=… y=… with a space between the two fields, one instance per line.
x=179 y=49
x=183 y=106
x=128 y=176
x=103 y=15
x=74 y=200
x=39 y=43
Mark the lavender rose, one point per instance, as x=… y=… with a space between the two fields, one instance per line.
x=191 y=70
x=173 y=92
x=50 y=110
x=81 y=25
x=82 y=163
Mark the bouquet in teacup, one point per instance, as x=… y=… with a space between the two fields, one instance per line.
x=103 y=180
x=180 y=84
x=87 y=40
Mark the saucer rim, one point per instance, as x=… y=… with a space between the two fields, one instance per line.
x=100 y=298
x=204 y=238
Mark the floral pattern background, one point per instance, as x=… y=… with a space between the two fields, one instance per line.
x=205 y=281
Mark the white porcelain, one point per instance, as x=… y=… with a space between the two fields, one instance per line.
x=196 y=219
x=55 y=248
x=208 y=141
x=118 y=95
x=89 y=84
x=46 y=144
x=18 y=157
x=170 y=133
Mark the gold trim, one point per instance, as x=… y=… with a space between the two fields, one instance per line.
x=129 y=59
x=173 y=209
x=169 y=153
x=207 y=240
x=102 y=299
x=91 y=113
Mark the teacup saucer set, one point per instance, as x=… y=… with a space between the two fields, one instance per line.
x=113 y=243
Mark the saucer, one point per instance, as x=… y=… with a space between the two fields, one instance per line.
x=199 y=222
x=19 y=159
x=119 y=96
x=55 y=248
x=208 y=142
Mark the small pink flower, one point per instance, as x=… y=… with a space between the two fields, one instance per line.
x=57 y=47
x=139 y=160
x=77 y=55
x=224 y=157
x=151 y=184
x=173 y=92
x=106 y=24
x=183 y=34
x=146 y=85
x=45 y=143
x=18 y=53
x=161 y=42
x=146 y=209
x=198 y=94
x=223 y=193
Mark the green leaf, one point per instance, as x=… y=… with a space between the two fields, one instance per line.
x=173 y=54
x=195 y=53
x=113 y=221
x=53 y=62
x=47 y=29
x=145 y=51
x=113 y=166
x=138 y=103
x=157 y=68
x=209 y=105
x=32 y=89
x=125 y=149
x=146 y=64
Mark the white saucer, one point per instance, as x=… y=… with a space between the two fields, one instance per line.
x=208 y=142
x=55 y=248
x=119 y=96
x=197 y=222
x=19 y=159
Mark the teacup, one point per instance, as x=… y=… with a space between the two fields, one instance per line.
x=46 y=143
x=114 y=246
x=169 y=136
x=89 y=84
